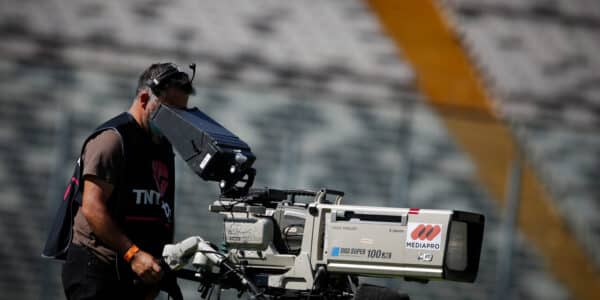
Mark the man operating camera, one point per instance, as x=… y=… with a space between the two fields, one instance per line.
x=127 y=206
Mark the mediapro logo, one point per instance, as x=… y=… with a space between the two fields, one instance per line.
x=426 y=232
x=424 y=236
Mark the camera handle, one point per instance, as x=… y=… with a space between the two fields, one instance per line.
x=322 y=196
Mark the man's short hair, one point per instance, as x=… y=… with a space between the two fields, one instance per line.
x=178 y=79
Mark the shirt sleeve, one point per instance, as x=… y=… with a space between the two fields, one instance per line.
x=103 y=156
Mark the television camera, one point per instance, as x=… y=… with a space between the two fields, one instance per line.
x=281 y=247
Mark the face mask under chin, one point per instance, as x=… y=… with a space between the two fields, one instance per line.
x=155 y=131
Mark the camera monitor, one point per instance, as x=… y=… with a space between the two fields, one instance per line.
x=210 y=150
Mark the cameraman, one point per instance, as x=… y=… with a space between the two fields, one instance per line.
x=127 y=211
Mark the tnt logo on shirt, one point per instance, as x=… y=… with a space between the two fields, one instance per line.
x=424 y=236
x=160 y=173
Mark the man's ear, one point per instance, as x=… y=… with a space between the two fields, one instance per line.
x=144 y=98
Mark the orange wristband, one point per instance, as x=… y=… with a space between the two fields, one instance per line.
x=128 y=256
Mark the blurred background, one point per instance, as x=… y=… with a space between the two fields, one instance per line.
x=487 y=106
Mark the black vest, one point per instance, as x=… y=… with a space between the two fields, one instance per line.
x=142 y=202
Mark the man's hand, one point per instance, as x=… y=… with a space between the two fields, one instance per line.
x=95 y=195
x=146 y=267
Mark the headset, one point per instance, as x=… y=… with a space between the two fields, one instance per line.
x=172 y=69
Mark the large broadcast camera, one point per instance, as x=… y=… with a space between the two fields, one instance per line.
x=280 y=247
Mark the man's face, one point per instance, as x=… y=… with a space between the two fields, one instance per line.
x=172 y=97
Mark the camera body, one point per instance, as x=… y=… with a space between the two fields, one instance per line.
x=287 y=242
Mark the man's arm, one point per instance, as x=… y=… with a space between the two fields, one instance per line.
x=95 y=196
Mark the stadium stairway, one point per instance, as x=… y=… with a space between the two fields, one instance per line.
x=501 y=71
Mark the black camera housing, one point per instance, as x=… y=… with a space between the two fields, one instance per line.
x=210 y=150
